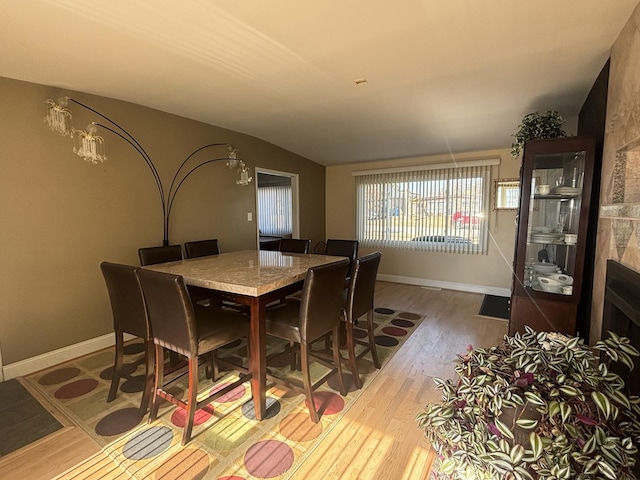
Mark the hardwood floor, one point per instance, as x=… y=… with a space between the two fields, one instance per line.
x=378 y=437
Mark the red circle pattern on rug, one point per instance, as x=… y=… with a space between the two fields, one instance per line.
x=394 y=331
x=76 y=389
x=327 y=403
x=268 y=459
x=179 y=416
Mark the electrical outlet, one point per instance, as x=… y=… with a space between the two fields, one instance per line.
x=249 y=217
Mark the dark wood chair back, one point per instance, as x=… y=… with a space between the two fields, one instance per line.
x=322 y=300
x=294 y=245
x=343 y=248
x=170 y=311
x=362 y=287
x=201 y=248
x=153 y=255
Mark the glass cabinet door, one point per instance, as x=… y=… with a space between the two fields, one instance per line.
x=553 y=224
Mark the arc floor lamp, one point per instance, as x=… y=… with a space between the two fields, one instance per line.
x=90 y=146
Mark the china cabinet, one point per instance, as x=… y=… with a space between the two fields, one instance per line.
x=553 y=215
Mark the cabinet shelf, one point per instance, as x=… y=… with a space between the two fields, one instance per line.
x=555 y=196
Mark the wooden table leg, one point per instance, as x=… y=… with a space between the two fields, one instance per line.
x=258 y=358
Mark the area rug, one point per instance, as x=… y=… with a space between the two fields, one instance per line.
x=23 y=420
x=228 y=442
x=495 y=306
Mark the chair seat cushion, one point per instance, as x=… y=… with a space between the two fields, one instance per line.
x=219 y=327
x=283 y=321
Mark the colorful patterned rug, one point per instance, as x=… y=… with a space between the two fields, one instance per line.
x=228 y=442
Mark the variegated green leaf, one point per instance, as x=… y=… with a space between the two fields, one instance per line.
x=448 y=466
x=503 y=429
x=629 y=349
x=602 y=402
x=516 y=454
x=533 y=398
x=605 y=469
x=565 y=411
x=569 y=390
x=536 y=445
x=620 y=398
x=527 y=424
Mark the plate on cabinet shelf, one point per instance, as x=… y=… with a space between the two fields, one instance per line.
x=567 y=191
x=546 y=237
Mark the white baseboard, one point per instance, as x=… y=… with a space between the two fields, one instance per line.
x=49 y=359
x=464 y=287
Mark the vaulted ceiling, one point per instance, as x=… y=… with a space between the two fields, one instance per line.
x=441 y=75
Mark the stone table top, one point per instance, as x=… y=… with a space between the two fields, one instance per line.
x=246 y=272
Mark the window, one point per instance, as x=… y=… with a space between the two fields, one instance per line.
x=439 y=208
x=275 y=213
x=507 y=194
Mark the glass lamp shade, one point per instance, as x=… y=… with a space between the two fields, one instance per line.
x=58 y=117
x=88 y=145
x=232 y=157
x=243 y=175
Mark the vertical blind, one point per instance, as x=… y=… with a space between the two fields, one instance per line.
x=443 y=209
x=275 y=210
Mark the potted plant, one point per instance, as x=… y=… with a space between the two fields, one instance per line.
x=537 y=125
x=538 y=406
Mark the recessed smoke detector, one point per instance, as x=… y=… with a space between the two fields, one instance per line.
x=360 y=81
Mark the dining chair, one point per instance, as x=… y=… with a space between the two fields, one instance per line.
x=343 y=248
x=201 y=248
x=165 y=253
x=294 y=245
x=192 y=331
x=129 y=316
x=360 y=300
x=302 y=322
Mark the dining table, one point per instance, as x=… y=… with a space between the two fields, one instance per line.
x=253 y=278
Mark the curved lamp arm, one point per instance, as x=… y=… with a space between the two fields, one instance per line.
x=172 y=195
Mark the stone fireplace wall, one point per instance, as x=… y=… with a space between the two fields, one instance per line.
x=619 y=223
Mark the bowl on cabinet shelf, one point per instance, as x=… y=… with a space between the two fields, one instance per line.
x=544 y=268
x=550 y=285
x=562 y=278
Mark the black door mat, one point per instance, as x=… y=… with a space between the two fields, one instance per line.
x=23 y=420
x=495 y=306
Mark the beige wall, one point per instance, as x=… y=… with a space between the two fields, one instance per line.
x=62 y=216
x=492 y=270
x=619 y=234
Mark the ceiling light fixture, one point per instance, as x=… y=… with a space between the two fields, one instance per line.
x=90 y=146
